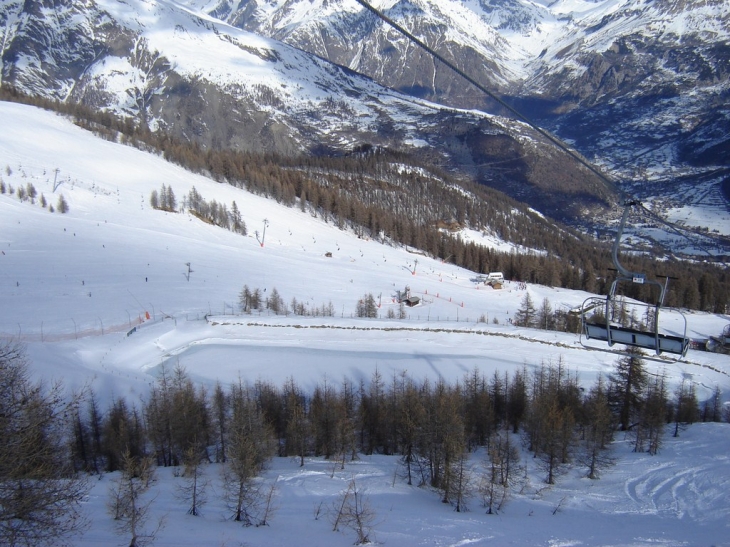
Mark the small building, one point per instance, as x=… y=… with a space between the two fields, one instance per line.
x=495 y=280
x=405 y=297
x=495 y=276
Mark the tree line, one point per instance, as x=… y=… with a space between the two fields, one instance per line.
x=210 y=212
x=429 y=424
x=29 y=193
x=51 y=442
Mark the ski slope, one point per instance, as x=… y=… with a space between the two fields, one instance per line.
x=77 y=288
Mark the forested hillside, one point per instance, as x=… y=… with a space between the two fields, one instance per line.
x=388 y=195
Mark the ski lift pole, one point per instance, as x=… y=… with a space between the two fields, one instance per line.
x=263 y=236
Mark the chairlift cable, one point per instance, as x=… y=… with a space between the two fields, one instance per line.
x=625 y=199
x=520 y=116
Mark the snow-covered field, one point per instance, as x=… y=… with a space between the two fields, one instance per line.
x=74 y=285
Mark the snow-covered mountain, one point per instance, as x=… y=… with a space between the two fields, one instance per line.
x=200 y=79
x=639 y=87
x=554 y=58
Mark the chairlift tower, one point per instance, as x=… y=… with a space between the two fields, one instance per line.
x=263 y=237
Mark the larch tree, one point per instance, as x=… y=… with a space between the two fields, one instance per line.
x=95 y=431
x=443 y=442
x=409 y=421
x=250 y=446
x=190 y=421
x=352 y=509
x=221 y=412
x=244 y=299
x=551 y=419
x=545 y=318
x=122 y=431
x=686 y=408
x=478 y=409
x=298 y=430
x=158 y=415
x=501 y=467
x=461 y=482
x=128 y=503
x=712 y=409
x=366 y=306
x=373 y=413
x=276 y=303
x=650 y=429
x=40 y=494
x=62 y=204
x=193 y=490
x=526 y=314
x=517 y=400
x=597 y=430
x=627 y=385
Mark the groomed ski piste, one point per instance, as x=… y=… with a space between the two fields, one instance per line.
x=106 y=293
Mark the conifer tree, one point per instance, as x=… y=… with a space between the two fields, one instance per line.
x=545 y=318
x=40 y=494
x=478 y=409
x=220 y=411
x=502 y=465
x=250 y=446
x=517 y=400
x=409 y=422
x=649 y=431
x=526 y=314
x=62 y=204
x=551 y=419
x=127 y=503
x=598 y=429
x=275 y=302
x=353 y=510
x=193 y=490
x=298 y=430
x=627 y=385
x=244 y=299
x=712 y=409
x=122 y=432
x=686 y=408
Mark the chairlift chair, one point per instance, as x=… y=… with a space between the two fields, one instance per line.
x=611 y=331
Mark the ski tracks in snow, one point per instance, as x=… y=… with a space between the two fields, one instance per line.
x=699 y=490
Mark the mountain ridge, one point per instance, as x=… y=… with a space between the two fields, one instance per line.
x=176 y=67
x=640 y=88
